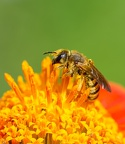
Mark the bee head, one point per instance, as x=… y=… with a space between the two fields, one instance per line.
x=60 y=56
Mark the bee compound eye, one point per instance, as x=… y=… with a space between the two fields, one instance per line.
x=59 y=59
x=63 y=55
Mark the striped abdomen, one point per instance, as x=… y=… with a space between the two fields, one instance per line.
x=94 y=87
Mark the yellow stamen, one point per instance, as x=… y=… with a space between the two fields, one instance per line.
x=83 y=98
x=14 y=86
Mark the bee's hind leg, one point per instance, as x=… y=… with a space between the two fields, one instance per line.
x=80 y=83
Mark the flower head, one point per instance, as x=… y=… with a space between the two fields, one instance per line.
x=47 y=109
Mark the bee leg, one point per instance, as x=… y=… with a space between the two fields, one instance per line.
x=91 y=61
x=60 y=66
x=68 y=73
x=80 y=85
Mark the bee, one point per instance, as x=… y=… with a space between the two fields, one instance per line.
x=78 y=64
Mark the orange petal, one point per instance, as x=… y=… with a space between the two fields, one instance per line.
x=114 y=102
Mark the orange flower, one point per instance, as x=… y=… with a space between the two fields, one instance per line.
x=47 y=109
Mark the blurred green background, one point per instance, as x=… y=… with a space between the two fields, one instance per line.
x=95 y=27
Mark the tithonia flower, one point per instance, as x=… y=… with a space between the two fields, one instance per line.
x=47 y=108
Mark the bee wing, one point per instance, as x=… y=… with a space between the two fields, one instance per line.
x=96 y=74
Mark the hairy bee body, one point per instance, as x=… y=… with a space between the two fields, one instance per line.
x=77 y=63
x=93 y=86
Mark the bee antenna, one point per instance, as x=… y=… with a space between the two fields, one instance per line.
x=48 y=53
